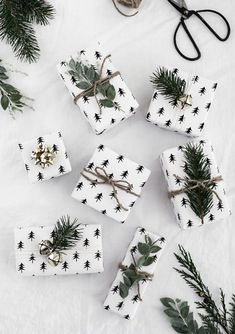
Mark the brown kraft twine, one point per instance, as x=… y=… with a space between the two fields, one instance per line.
x=128 y=3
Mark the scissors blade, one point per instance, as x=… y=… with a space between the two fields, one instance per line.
x=179 y=5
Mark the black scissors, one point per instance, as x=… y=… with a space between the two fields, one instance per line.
x=186 y=14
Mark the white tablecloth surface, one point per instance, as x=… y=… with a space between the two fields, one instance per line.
x=74 y=304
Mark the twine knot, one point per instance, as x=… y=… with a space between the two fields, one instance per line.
x=100 y=81
x=103 y=178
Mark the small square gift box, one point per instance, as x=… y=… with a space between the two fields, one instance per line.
x=195 y=185
x=97 y=88
x=41 y=251
x=134 y=274
x=45 y=157
x=181 y=101
x=111 y=183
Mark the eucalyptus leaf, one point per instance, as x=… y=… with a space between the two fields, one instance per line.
x=123 y=289
x=84 y=85
x=106 y=103
x=143 y=248
x=148 y=261
x=141 y=261
x=4 y=102
x=155 y=249
x=127 y=281
x=111 y=93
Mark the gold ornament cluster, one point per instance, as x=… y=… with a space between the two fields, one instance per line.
x=43 y=155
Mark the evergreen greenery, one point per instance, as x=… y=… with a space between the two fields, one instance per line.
x=85 y=77
x=16 y=25
x=215 y=319
x=197 y=167
x=65 y=234
x=132 y=274
x=12 y=99
x=168 y=84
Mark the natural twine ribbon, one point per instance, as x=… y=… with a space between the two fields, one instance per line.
x=103 y=177
x=127 y=3
x=194 y=184
x=147 y=276
x=98 y=82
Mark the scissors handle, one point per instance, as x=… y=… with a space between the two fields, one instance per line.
x=183 y=24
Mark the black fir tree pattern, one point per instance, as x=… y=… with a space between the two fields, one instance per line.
x=40 y=140
x=127 y=317
x=20 y=245
x=105 y=163
x=87 y=265
x=124 y=174
x=168 y=123
x=214 y=86
x=120 y=306
x=208 y=106
x=40 y=176
x=76 y=256
x=107 y=307
x=98 y=197
x=31 y=235
x=161 y=111
x=98 y=255
x=172 y=158
x=97 y=233
x=26 y=167
x=190 y=223
x=115 y=289
x=65 y=266
x=43 y=266
x=32 y=258
x=155 y=95
x=100 y=147
x=79 y=186
x=195 y=79
x=195 y=111
x=21 y=267
x=55 y=148
x=86 y=243
x=20 y=146
x=135 y=299
x=202 y=91
x=220 y=205
x=140 y=169
x=181 y=119
x=120 y=158
x=98 y=55
x=97 y=118
x=121 y=92
x=61 y=169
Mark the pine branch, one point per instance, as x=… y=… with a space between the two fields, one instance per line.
x=168 y=84
x=193 y=278
x=231 y=319
x=197 y=167
x=16 y=18
x=66 y=234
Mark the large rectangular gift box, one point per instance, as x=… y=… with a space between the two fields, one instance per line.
x=111 y=201
x=61 y=164
x=190 y=120
x=172 y=161
x=128 y=306
x=85 y=258
x=125 y=104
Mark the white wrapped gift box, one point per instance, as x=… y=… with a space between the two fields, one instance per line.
x=172 y=161
x=100 y=196
x=109 y=117
x=61 y=163
x=128 y=307
x=191 y=120
x=85 y=258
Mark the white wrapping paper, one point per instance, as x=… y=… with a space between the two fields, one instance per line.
x=172 y=161
x=109 y=117
x=127 y=307
x=191 y=120
x=61 y=164
x=85 y=258
x=100 y=196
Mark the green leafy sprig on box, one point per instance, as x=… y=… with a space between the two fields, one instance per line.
x=215 y=319
x=85 y=77
x=12 y=100
x=133 y=274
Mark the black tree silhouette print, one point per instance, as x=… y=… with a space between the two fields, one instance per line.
x=73 y=80
x=61 y=169
x=66 y=155
x=134 y=249
x=113 y=120
x=178 y=216
x=55 y=148
x=211 y=217
x=40 y=176
x=148 y=116
x=189 y=223
x=135 y=299
x=100 y=147
x=120 y=306
x=124 y=174
x=172 y=158
x=214 y=86
x=31 y=235
x=21 y=267
x=107 y=307
x=105 y=163
x=20 y=146
x=63 y=63
x=161 y=111
x=117 y=208
x=32 y=258
x=195 y=79
x=184 y=202
x=97 y=233
x=84 y=201
x=177 y=180
x=108 y=72
x=201 y=126
x=98 y=55
x=115 y=289
x=132 y=204
x=202 y=91
x=65 y=266
x=208 y=106
x=76 y=256
x=79 y=186
x=140 y=169
x=188 y=130
x=98 y=197
x=86 y=243
x=111 y=176
x=168 y=123
x=195 y=111
x=93 y=184
x=142 y=184
x=40 y=140
x=220 y=205
x=59 y=134
x=98 y=255
x=112 y=195
x=43 y=266
x=87 y=265
x=181 y=119
x=20 y=245
x=162 y=240
x=120 y=158
x=82 y=52
x=26 y=167
x=97 y=118
x=127 y=317
x=155 y=95
x=142 y=230
x=86 y=99
x=121 y=92
x=104 y=212
x=90 y=166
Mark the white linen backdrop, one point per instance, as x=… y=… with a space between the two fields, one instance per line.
x=74 y=304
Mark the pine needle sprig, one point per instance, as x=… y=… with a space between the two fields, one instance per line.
x=168 y=84
x=231 y=320
x=66 y=233
x=16 y=18
x=197 y=167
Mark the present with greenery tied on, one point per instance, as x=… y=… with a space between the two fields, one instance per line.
x=215 y=319
x=134 y=273
x=12 y=99
x=90 y=81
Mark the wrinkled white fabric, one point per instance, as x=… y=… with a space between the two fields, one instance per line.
x=74 y=304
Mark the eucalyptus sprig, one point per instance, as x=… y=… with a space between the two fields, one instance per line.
x=169 y=84
x=85 y=77
x=133 y=274
x=12 y=100
x=215 y=319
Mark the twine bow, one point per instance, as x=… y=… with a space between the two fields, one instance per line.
x=98 y=82
x=103 y=177
x=194 y=184
x=54 y=256
x=127 y=3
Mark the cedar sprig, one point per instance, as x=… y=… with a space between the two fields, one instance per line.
x=16 y=25
x=197 y=167
x=85 y=77
x=169 y=84
x=66 y=233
